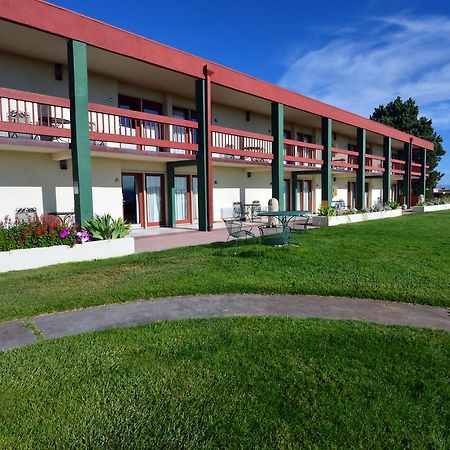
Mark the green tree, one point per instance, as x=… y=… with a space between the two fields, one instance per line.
x=404 y=116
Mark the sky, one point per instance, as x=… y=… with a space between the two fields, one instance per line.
x=352 y=54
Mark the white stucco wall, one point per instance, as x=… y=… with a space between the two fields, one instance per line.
x=34 y=180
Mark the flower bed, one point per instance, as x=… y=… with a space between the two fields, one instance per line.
x=430 y=208
x=32 y=258
x=39 y=232
x=44 y=241
x=331 y=221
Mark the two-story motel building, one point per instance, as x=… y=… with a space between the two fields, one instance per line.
x=98 y=120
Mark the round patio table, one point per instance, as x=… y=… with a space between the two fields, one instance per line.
x=284 y=217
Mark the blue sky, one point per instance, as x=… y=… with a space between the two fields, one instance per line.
x=352 y=54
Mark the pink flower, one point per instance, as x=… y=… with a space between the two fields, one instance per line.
x=64 y=233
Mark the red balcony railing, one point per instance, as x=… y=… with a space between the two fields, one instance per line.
x=374 y=164
x=41 y=117
x=345 y=160
x=243 y=145
x=397 y=167
x=416 y=169
x=302 y=154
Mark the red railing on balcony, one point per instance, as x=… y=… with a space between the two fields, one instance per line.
x=416 y=169
x=374 y=164
x=345 y=160
x=242 y=145
x=397 y=167
x=302 y=154
x=41 y=117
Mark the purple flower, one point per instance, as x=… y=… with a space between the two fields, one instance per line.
x=83 y=236
x=64 y=233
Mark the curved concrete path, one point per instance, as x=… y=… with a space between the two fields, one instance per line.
x=22 y=332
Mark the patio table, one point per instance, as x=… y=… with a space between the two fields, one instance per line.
x=284 y=217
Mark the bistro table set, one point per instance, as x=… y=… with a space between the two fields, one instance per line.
x=278 y=229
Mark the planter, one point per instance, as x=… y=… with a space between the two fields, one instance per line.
x=431 y=208
x=322 y=221
x=32 y=258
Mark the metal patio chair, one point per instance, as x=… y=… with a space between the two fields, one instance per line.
x=300 y=224
x=278 y=235
x=236 y=230
x=238 y=211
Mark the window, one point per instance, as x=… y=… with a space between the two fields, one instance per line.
x=184 y=113
x=303 y=137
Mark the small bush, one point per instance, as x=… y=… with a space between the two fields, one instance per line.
x=327 y=211
x=105 y=227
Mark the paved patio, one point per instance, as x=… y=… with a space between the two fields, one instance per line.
x=156 y=239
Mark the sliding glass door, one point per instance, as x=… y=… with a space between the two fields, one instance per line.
x=155 y=199
x=132 y=199
x=182 y=199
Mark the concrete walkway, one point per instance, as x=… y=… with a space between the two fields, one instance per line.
x=18 y=333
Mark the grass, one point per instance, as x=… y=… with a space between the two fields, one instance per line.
x=405 y=259
x=230 y=383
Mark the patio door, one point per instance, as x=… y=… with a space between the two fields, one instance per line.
x=132 y=199
x=351 y=194
x=287 y=195
x=182 y=199
x=305 y=192
x=155 y=199
x=194 y=198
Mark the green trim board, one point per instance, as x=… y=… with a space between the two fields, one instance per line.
x=387 y=154
x=423 y=172
x=327 y=142
x=79 y=128
x=202 y=154
x=361 y=171
x=278 y=153
x=407 y=148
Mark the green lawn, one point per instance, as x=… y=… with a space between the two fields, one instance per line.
x=230 y=383
x=405 y=259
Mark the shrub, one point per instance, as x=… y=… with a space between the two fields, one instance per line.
x=37 y=232
x=393 y=205
x=327 y=211
x=105 y=227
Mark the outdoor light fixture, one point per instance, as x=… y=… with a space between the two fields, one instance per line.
x=247 y=116
x=63 y=164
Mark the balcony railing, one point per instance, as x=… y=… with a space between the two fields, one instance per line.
x=302 y=154
x=40 y=117
x=228 y=143
x=344 y=160
x=374 y=164
x=416 y=169
x=397 y=167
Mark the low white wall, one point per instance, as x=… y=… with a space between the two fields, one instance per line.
x=431 y=208
x=32 y=258
x=322 y=221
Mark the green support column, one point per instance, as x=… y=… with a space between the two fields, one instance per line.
x=423 y=173
x=327 y=142
x=171 y=195
x=79 y=124
x=278 y=154
x=407 y=177
x=202 y=155
x=387 y=153
x=294 y=190
x=361 y=171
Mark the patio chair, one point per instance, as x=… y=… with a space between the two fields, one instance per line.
x=300 y=224
x=238 y=212
x=236 y=230
x=256 y=209
x=278 y=235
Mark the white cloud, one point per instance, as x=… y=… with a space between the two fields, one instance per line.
x=378 y=60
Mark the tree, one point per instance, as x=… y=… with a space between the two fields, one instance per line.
x=404 y=116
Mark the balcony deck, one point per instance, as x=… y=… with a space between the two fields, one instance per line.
x=30 y=121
